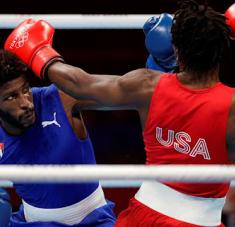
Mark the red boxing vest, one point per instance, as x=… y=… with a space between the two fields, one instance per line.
x=188 y=126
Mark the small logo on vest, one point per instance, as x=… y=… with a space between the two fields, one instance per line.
x=1 y=149
x=47 y=123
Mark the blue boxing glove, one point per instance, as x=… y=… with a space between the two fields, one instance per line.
x=158 y=42
x=5 y=208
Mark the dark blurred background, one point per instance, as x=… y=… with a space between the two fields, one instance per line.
x=116 y=136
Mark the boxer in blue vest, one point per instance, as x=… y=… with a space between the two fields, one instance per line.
x=40 y=126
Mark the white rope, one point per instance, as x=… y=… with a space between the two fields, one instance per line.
x=104 y=184
x=79 y=21
x=86 y=173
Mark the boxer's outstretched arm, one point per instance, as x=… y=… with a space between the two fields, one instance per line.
x=132 y=90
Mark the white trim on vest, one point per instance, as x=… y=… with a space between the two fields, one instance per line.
x=192 y=209
x=69 y=215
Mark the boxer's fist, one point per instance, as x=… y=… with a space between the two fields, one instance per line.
x=230 y=15
x=158 y=42
x=31 y=42
x=152 y=64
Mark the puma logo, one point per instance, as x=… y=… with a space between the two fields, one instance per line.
x=47 y=123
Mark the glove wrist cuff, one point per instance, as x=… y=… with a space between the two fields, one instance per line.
x=43 y=59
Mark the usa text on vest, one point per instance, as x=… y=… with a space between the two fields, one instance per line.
x=181 y=143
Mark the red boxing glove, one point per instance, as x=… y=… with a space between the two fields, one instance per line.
x=31 y=42
x=230 y=15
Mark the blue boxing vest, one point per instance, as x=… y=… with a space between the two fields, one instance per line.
x=48 y=142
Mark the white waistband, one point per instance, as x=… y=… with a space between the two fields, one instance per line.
x=192 y=209
x=70 y=215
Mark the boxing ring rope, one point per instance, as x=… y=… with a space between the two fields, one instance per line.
x=79 y=21
x=88 y=173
